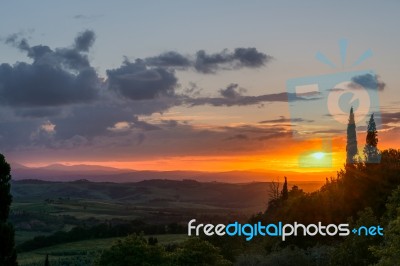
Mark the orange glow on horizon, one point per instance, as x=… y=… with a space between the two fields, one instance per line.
x=277 y=160
x=283 y=158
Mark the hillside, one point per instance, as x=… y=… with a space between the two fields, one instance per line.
x=96 y=173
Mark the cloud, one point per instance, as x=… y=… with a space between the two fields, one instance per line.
x=170 y=123
x=87 y=18
x=56 y=77
x=95 y=120
x=369 y=81
x=37 y=112
x=57 y=101
x=231 y=97
x=211 y=63
x=144 y=125
x=238 y=137
x=241 y=57
x=169 y=59
x=250 y=57
x=136 y=81
x=85 y=40
x=282 y=134
x=232 y=91
x=283 y=119
x=390 y=117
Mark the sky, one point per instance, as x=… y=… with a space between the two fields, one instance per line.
x=185 y=85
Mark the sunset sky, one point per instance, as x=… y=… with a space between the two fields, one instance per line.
x=185 y=85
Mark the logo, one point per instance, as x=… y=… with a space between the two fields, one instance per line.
x=320 y=105
x=280 y=230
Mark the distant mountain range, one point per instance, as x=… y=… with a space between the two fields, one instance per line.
x=96 y=173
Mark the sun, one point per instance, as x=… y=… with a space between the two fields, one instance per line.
x=318 y=155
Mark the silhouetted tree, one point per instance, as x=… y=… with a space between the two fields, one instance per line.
x=8 y=255
x=273 y=192
x=351 y=147
x=371 y=151
x=133 y=250
x=285 y=192
x=46 y=262
x=196 y=251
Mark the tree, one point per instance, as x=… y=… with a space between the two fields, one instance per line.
x=46 y=262
x=371 y=151
x=274 y=190
x=285 y=192
x=133 y=250
x=196 y=251
x=351 y=147
x=8 y=255
x=388 y=252
x=355 y=249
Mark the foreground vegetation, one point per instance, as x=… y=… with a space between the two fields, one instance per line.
x=361 y=194
x=83 y=252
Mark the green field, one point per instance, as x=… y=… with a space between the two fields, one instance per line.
x=81 y=252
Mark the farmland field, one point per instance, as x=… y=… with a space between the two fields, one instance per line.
x=43 y=208
x=80 y=252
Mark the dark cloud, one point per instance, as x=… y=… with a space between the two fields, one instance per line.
x=364 y=129
x=84 y=40
x=57 y=100
x=58 y=77
x=283 y=119
x=241 y=100
x=169 y=59
x=95 y=120
x=138 y=82
x=144 y=125
x=170 y=123
x=263 y=130
x=238 y=137
x=250 y=57
x=211 y=63
x=390 y=117
x=44 y=85
x=281 y=134
x=232 y=91
x=328 y=131
x=37 y=112
x=16 y=134
x=241 y=57
x=90 y=121
x=369 y=81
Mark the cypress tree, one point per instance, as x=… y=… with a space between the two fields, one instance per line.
x=8 y=255
x=351 y=147
x=285 y=192
x=46 y=262
x=371 y=151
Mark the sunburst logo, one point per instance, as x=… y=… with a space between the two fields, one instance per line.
x=323 y=103
x=343 y=44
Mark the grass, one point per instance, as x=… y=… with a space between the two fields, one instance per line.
x=22 y=236
x=84 y=251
